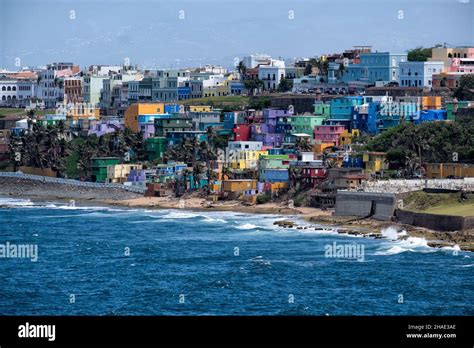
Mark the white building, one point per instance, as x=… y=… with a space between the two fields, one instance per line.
x=255 y=60
x=419 y=74
x=16 y=92
x=272 y=74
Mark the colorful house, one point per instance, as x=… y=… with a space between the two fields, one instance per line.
x=320 y=147
x=305 y=123
x=118 y=173
x=155 y=148
x=242 y=132
x=99 y=167
x=274 y=168
x=374 y=161
x=345 y=138
x=448 y=170
x=172 y=124
x=431 y=103
x=200 y=108
x=239 y=185
x=246 y=159
x=328 y=134
x=322 y=109
x=311 y=175
x=133 y=112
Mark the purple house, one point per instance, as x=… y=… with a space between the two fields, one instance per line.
x=104 y=127
x=270 y=139
x=148 y=130
x=270 y=116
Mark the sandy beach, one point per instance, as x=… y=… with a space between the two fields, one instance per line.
x=21 y=188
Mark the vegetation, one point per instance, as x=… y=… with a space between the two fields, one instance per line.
x=52 y=147
x=8 y=112
x=233 y=102
x=408 y=144
x=440 y=203
x=465 y=91
x=419 y=54
x=320 y=64
x=285 y=85
x=253 y=85
x=40 y=147
x=260 y=102
x=264 y=198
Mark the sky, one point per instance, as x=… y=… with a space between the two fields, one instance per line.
x=185 y=33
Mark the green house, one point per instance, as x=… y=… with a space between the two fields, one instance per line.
x=172 y=124
x=99 y=167
x=305 y=123
x=322 y=109
x=155 y=148
x=451 y=108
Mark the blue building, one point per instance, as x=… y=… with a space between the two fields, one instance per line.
x=184 y=93
x=231 y=118
x=375 y=66
x=171 y=108
x=431 y=115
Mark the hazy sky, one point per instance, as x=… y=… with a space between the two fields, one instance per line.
x=151 y=33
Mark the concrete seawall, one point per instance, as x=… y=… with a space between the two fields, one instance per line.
x=379 y=206
x=435 y=221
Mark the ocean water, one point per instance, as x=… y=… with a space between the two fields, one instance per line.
x=110 y=261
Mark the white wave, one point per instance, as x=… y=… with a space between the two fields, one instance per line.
x=246 y=227
x=455 y=247
x=213 y=220
x=179 y=215
x=15 y=202
x=392 y=251
x=469 y=265
x=413 y=244
x=390 y=233
x=94 y=208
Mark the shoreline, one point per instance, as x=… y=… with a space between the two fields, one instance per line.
x=36 y=191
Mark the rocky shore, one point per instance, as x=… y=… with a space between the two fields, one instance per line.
x=369 y=228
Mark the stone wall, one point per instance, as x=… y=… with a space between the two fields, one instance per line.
x=301 y=104
x=380 y=206
x=435 y=221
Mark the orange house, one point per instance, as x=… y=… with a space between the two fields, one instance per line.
x=136 y=109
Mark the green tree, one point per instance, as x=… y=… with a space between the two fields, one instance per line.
x=465 y=91
x=285 y=85
x=419 y=54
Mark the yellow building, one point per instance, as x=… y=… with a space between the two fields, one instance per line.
x=345 y=138
x=449 y=170
x=80 y=111
x=247 y=159
x=239 y=185
x=374 y=161
x=320 y=147
x=118 y=173
x=136 y=109
x=431 y=103
x=200 y=108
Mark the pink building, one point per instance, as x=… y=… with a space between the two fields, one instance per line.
x=328 y=134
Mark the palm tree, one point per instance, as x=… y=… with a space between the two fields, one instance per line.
x=241 y=68
x=303 y=145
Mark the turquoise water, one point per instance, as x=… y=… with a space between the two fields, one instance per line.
x=108 y=261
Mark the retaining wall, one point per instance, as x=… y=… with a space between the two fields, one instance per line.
x=363 y=204
x=435 y=221
x=71 y=182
